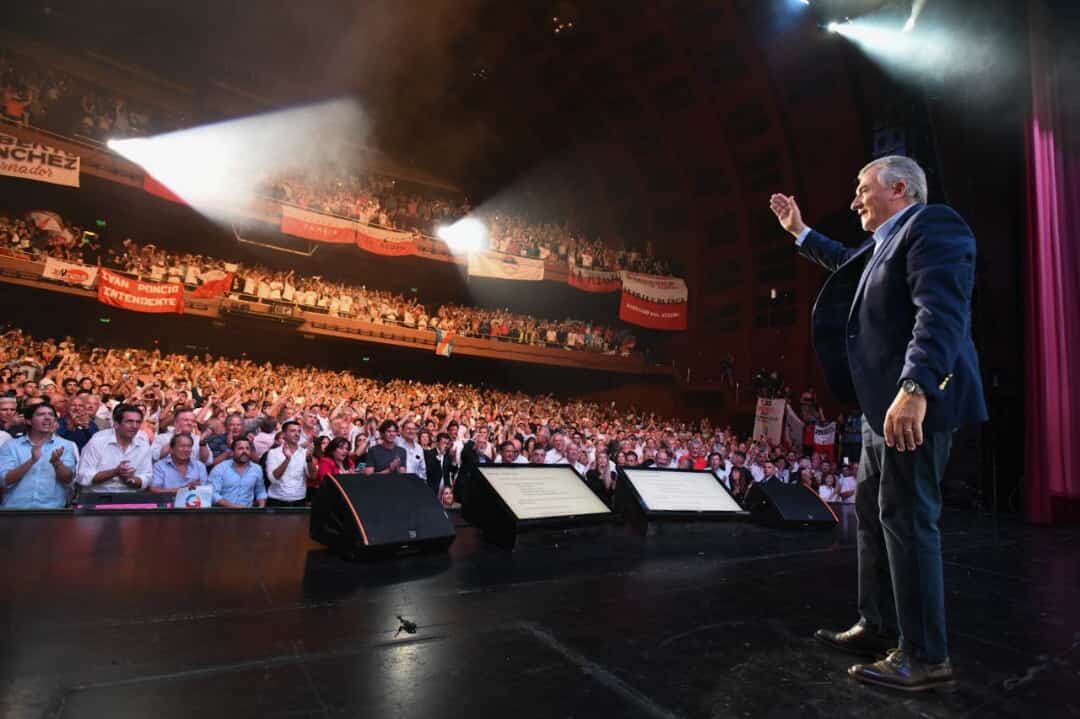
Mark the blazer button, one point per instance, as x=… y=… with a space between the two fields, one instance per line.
x=852 y=335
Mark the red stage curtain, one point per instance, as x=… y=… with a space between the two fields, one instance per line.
x=1053 y=268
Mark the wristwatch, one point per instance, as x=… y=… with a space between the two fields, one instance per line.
x=912 y=387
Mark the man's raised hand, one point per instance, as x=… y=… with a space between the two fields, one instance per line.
x=787 y=212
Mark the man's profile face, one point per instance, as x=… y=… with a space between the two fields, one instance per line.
x=291 y=435
x=408 y=431
x=874 y=202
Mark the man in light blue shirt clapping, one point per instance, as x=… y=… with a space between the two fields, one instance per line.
x=37 y=468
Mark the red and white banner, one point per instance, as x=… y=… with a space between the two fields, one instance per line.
x=769 y=419
x=653 y=301
x=40 y=163
x=825 y=440
x=589 y=280
x=317 y=226
x=658 y=288
x=385 y=242
x=131 y=294
x=69 y=272
x=505 y=267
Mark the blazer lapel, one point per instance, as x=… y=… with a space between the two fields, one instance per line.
x=876 y=257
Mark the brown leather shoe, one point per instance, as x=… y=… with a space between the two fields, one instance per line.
x=901 y=671
x=859 y=640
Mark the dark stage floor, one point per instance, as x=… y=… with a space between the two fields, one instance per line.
x=231 y=615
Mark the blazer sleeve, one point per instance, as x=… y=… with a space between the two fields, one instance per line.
x=828 y=253
x=940 y=276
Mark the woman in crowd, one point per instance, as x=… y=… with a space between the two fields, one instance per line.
x=827 y=491
x=335 y=460
x=740 y=480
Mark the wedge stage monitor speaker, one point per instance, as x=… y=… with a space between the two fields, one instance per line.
x=504 y=499
x=644 y=495
x=788 y=505
x=360 y=516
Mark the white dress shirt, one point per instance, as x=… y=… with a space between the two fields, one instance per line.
x=414 y=458
x=847 y=484
x=104 y=452
x=292 y=486
x=554 y=456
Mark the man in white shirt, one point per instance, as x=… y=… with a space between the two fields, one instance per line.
x=574 y=457
x=117 y=459
x=414 y=453
x=846 y=486
x=288 y=467
x=183 y=423
x=557 y=453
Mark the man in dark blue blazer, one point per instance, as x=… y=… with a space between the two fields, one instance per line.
x=892 y=329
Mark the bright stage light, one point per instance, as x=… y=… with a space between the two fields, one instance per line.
x=464 y=236
x=923 y=52
x=217 y=168
x=910 y=24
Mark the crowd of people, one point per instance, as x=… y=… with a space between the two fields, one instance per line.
x=35 y=94
x=76 y=418
x=368 y=198
x=46 y=234
x=38 y=95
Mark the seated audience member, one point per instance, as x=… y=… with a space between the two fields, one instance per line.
x=846 y=486
x=537 y=456
x=238 y=482
x=574 y=457
x=177 y=469
x=717 y=466
x=386 y=457
x=827 y=490
x=288 y=468
x=446 y=497
x=183 y=423
x=37 y=468
x=335 y=460
x=11 y=423
x=117 y=459
x=740 y=480
x=78 y=426
x=220 y=444
x=557 y=453
x=414 y=451
x=265 y=438
x=509 y=454
x=441 y=470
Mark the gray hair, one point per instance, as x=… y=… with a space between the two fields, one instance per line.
x=897 y=168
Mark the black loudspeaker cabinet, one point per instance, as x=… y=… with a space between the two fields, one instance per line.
x=788 y=505
x=360 y=516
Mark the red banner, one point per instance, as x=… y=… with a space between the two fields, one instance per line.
x=131 y=294
x=654 y=315
x=156 y=188
x=317 y=226
x=385 y=242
